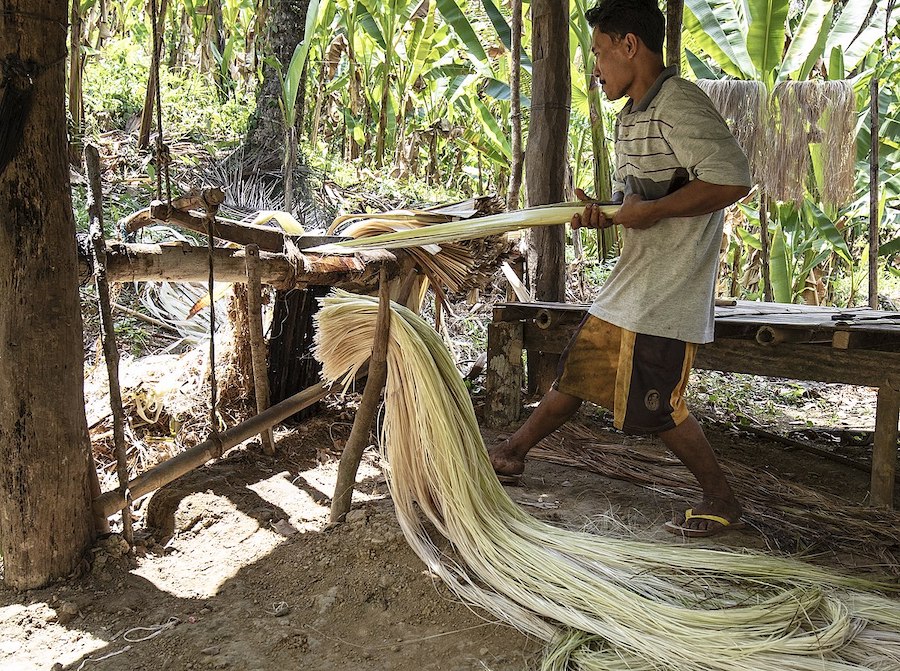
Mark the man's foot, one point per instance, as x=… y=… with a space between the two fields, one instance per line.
x=712 y=517
x=507 y=465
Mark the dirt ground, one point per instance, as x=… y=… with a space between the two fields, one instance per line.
x=243 y=572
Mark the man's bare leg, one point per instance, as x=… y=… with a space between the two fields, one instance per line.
x=689 y=444
x=508 y=458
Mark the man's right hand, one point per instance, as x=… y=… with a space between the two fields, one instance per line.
x=592 y=217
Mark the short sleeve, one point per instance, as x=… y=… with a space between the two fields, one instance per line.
x=701 y=140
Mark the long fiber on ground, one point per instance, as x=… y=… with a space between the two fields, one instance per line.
x=599 y=602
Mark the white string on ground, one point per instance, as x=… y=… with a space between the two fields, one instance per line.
x=100 y=659
x=155 y=630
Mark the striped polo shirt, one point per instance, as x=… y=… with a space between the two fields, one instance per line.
x=664 y=281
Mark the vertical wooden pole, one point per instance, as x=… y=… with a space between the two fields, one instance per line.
x=503 y=386
x=873 y=194
x=674 y=18
x=764 y=241
x=884 y=453
x=258 y=343
x=368 y=407
x=515 y=109
x=110 y=350
x=150 y=96
x=546 y=156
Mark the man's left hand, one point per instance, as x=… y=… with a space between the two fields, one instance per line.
x=635 y=213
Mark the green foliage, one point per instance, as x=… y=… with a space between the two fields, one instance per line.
x=115 y=82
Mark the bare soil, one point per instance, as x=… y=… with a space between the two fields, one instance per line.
x=236 y=568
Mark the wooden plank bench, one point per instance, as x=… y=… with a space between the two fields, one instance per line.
x=855 y=346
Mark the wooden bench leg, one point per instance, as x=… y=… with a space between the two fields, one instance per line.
x=884 y=454
x=503 y=386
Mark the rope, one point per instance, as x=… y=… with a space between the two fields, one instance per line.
x=155 y=630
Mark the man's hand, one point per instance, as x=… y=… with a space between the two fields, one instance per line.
x=592 y=217
x=635 y=213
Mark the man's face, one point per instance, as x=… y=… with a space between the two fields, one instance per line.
x=612 y=67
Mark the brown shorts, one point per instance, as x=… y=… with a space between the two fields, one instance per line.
x=641 y=378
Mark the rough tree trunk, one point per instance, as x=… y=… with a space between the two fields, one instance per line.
x=545 y=154
x=284 y=30
x=45 y=504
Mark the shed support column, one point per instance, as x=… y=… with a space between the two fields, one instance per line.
x=884 y=454
x=504 y=373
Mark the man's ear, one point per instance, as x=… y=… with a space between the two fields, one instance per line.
x=632 y=44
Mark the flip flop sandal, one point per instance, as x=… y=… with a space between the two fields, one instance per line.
x=724 y=525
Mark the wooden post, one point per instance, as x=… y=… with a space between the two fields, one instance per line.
x=368 y=407
x=503 y=386
x=873 y=194
x=884 y=453
x=515 y=108
x=546 y=156
x=764 y=241
x=258 y=343
x=150 y=96
x=674 y=18
x=107 y=329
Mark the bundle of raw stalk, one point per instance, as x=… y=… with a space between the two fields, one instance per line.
x=432 y=232
x=598 y=602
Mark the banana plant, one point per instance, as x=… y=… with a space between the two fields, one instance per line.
x=384 y=22
x=759 y=40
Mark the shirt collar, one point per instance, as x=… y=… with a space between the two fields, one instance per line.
x=644 y=103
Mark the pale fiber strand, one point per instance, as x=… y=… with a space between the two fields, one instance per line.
x=641 y=606
x=469 y=229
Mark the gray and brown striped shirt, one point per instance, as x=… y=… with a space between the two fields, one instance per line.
x=664 y=281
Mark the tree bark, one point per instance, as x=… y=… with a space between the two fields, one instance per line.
x=285 y=28
x=45 y=501
x=674 y=20
x=546 y=154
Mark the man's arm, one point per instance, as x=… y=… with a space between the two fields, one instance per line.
x=693 y=199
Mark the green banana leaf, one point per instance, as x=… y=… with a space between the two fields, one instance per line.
x=716 y=27
x=780 y=268
x=765 y=41
x=504 y=32
x=871 y=34
x=808 y=40
x=457 y=19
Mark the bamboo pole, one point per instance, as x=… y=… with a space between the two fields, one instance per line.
x=110 y=350
x=359 y=434
x=873 y=194
x=110 y=502
x=258 y=343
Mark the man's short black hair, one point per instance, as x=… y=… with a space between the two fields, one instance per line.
x=617 y=18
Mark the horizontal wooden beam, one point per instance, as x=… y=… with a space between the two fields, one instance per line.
x=268 y=239
x=188 y=263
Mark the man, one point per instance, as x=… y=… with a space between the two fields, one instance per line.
x=633 y=352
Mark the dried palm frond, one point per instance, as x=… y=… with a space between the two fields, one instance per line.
x=600 y=602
